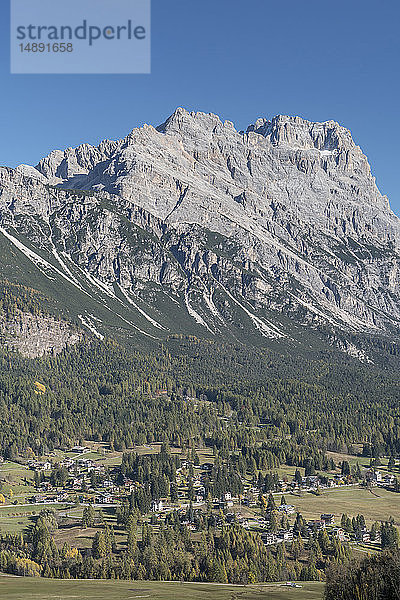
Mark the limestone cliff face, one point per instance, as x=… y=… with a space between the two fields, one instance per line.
x=203 y=228
x=37 y=335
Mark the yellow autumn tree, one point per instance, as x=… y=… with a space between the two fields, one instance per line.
x=27 y=567
x=39 y=388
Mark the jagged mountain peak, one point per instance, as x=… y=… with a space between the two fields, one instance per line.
x=74 y=161
x=203 y=134
x=300 y=133
x=182 y=118
x=280 y=129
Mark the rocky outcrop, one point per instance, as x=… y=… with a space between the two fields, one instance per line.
x=37 y=335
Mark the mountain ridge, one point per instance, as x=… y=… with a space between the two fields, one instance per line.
x=266 y=233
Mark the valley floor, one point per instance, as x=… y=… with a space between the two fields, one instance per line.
x=24 y=588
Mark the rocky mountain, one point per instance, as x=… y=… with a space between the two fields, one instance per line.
x=273 y=235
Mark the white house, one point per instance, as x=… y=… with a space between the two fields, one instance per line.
x=156 y=506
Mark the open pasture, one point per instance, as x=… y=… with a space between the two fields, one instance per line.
x=21 y=588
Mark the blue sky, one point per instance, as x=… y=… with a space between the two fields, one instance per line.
x=239 y=59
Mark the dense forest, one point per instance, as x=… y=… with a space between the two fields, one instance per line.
x=376 y=577
x=297 y=408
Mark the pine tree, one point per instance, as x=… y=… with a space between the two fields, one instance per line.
x=389 y=536
x=99 y=547
x=131 y=542
x=271 y=506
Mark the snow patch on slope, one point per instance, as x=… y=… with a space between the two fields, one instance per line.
x=39 y=262
x=87 y=323
x=66 y=269
x=266 y=330
x=195 y=315
x=141 y=311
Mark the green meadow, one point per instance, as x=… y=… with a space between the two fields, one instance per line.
x=23 y=588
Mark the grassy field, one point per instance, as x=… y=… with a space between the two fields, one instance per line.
x=15 y=524
x=13 y=468
x=363 y=461
x=20 y=588
x=16 y=518
x=377 y=505
x=17 y=477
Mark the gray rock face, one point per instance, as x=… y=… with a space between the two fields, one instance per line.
x=197 y=227
x=36 y=335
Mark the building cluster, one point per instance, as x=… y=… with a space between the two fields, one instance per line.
x=373 y=477
x=78 y=477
